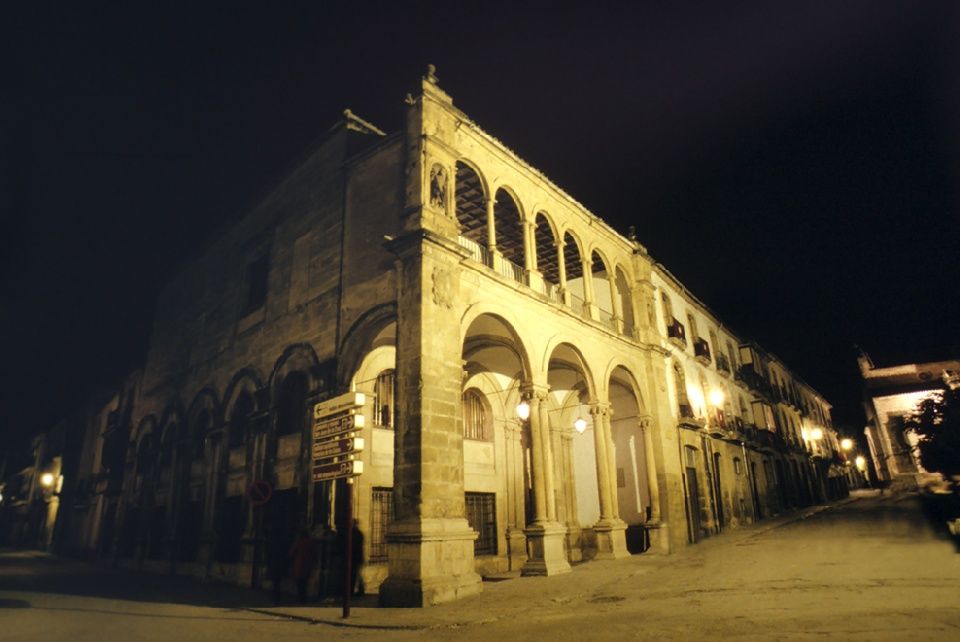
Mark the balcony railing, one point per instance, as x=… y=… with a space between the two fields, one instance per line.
x=701 y=350
x=677 y=333
x=478 y=253
x=607 y=319
x=578 y=305
x=513 y=271
x=723 y=364
x=551 y=291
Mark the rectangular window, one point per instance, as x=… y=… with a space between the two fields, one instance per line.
x=256 y=277
x=383 y=395
x=482 y=517
x=381 y=515
x=474 y=417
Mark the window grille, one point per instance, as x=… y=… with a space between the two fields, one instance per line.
x=383 y=396
x=381 y=515
x=475 y=424
x=482 y=517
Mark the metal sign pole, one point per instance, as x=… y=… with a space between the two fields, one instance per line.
x=348 y=553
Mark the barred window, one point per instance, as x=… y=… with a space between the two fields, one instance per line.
x=482 y=517
x=381 y=515
x=383 y=395
x=475 y=417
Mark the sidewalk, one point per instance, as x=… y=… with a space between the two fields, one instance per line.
x=513 y=596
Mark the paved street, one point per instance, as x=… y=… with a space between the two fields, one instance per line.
x=867 y=569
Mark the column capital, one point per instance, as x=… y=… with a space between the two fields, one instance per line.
x=600 y=408
x=644 y=420
x=531 y=391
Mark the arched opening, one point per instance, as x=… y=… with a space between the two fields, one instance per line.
x=573 y=266
x=472 y=213
x=374 y=376
x=548 y=256
x=498 y=471
x=575 y=433
x=232 y=516
x=509 y=227
x=602 y=289
x=633 y=481
x=190 y=520
x=163 y=495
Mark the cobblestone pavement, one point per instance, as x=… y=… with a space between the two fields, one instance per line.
x=866 y=569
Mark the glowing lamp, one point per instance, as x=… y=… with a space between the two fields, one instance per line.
x=580 y=425
x=846 y=443
x=46 y=480
x=716 y=397
x=523 y=410
x=861 y=463
x=816 y=434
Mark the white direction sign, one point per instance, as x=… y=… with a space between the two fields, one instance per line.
x=336 y=448
x=337 y=470
x=338 y=404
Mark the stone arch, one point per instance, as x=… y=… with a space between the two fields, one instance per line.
x=360 y=338
x=509 y=220
x=547 y=251
x=245 y=380
x=472 y=194
x=506 y=318
x=602 y=280
x=573 y=266
x=558 y=340
x=628 y=420
x=299 y=357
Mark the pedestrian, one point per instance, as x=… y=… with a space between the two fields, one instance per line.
x=303 y=559
x=356 y=561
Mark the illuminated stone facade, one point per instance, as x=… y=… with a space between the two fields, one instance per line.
x=454 y=284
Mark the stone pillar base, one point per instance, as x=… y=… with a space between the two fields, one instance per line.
x=430 y=562
x=611 y=539
x=546 y=549
x=517 y=548
x=659 y=534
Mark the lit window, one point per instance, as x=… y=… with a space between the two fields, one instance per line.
x=383 y=395
x=475 y=418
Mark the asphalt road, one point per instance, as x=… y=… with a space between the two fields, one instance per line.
x=869 y=569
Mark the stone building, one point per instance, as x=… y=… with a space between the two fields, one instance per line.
x=892 y=393
x=539 y=391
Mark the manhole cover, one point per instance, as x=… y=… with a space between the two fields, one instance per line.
x=606 y=599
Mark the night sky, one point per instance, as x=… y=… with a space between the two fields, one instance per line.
x=794 y=164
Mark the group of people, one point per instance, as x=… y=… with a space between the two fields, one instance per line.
x=326 y=553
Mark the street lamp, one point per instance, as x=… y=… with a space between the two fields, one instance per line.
x=816 y=434
x=46 y=480
x=846 y=443
x=580 y=424
x=861 y=463
x=716 y=397
x=523 y=410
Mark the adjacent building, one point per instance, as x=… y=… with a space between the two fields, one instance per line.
x=539 y=391
x=892 y=393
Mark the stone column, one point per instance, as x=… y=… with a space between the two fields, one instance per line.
x=546 y=539
x=491 y=226
x=610 y=530
x=430 y=544
x=516 y=516
x=588 y=295
x=615 y=301
x=562 y=266
x=651 y=468
x=534 y=276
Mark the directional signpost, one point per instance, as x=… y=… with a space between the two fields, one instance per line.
x=335 y=445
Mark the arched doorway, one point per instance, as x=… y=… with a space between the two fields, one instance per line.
x=630 y=457
x=498 y=457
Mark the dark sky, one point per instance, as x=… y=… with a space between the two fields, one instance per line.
x=794 y=164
